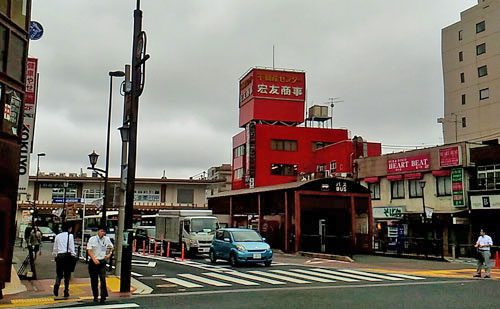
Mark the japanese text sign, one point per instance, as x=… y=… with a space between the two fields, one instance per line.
x=450 y=156
x=408 y=164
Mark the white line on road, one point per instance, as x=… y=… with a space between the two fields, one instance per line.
x=346 y=274
x=183 y=283
x=135 y=274
x=362 y=273
x=204 y=280
x=310 y=272
x=407 y=276
x=161 y=275
x=256 y=278
x=230 y=279
x=302 y=276
x=279 y=277
x=117 y=306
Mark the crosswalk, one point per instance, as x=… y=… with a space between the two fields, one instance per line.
x=254 y=278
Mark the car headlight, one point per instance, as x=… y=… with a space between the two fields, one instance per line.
x=193 y=242
x=241 y=248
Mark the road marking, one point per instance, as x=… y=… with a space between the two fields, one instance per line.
x=230 y=279
x=117 y=306
x=309 y=272
x=161 y=275
x=407 y=276
x=204 y=280
x=135 y=274
x=183 y=283
x=302 y=276
x=346 y=274
x=279 y=277
x=362 y=273
x=252 y=277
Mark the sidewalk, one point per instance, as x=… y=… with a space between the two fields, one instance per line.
x=29 y=293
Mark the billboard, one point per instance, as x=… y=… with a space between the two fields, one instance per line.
x=273 y=84
x=409 y=164
x=450 y=156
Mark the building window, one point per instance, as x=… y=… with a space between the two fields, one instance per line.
x=92 y=193
x=283 y=145
x=415 y=189
x=480 y=27
x=488 y=177
x=484 y=93
x=480 y=49
x=3 y=7
x=463 y=99
x=397 y=189
x=460 y=35
x=460 y=56
x=239 y=151
x=238 y=173
x=147 y=195
x=185 y=196
x=58 y=193
x=482 y=71
x=18 y=10
x=12 y=111
x=464 y=122
x=15 y=63
x=284 y=169
x=3 y=49
x=319 y=145
x=443 y=185
x=462 y=77
x=333 y=166
x=375 y=190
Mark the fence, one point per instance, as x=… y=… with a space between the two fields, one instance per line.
x=412 y=246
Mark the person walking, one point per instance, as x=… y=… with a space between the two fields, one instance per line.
x=35 y=241
x=100 y=249
x=64 y=249
x=483 y=244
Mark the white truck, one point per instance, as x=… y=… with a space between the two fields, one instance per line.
x=195 y=228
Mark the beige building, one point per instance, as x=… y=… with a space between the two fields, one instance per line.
x=471 y=72
x=223 y=175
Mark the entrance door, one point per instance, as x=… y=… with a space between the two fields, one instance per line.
x=322 y=234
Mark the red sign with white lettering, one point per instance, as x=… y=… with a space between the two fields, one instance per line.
x=273 y=84
x=409 y=164
x=449 y=156
x=29 y=96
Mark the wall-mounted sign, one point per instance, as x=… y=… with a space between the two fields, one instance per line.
x=450 y=156
x=409 y=164
x=60 y=200
x=35 y=30
x=395 y=212
x=485 y=202
x=457 y=187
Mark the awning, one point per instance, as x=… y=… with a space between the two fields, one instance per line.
x=371 y=179
x=394 y=177
x=413 y=176
x=441 y=173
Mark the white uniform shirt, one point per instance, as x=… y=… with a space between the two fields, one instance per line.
x=61 y=244
x=485 y=240
x=99 y=246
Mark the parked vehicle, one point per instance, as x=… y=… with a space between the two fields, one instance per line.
x=240 y=246
x=195 y=228
x=47 y=233
x=145 y=233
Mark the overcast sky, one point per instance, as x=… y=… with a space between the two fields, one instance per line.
x=381 y=57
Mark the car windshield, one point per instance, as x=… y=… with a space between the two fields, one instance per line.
x=151 y=232
x=45 y=230
x=246 y=236
x=203 y=225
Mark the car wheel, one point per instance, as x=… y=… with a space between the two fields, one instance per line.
x=267 y=263
x=232 y=260
x=213 y=257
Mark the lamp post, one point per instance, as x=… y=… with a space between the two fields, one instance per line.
x=93 y=157
x=35 y=196
x=424 y=218
x=65 y=211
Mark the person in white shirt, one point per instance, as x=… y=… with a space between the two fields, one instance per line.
x=99 y=249
x=483 y=244
x=64 y=244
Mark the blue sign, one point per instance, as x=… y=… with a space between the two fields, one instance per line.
x=35 y=31
x=68 y=200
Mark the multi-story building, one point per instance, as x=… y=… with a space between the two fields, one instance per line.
x=14 y=24
x=222 y=172
x=471 y=71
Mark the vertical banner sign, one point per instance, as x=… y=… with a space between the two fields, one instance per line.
x=28 y=124
x=457 y=187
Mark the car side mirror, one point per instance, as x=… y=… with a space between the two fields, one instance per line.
x=227 y=240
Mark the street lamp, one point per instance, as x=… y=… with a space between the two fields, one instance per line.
x=65 y=185
x=35 y=197
x=93 y=157
x=442 y=120
x=424 y=218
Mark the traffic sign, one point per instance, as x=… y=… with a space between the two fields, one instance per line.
x=35 y=31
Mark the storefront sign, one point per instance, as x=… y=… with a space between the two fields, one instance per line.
x=409 y=164
x=388 y=212
x=457 y=187
x=60 y=200
x=485 y=202
x=450 y=156
x=457 y=220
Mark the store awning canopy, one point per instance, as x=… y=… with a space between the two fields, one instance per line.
x=371 y=179
x=413 y=176
x=394 y=177
x=441 y=173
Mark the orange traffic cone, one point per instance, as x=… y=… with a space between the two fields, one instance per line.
x=497 y=260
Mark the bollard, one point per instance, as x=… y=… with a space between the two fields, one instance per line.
x=168 y=249
x=154 y=249
x=182 y=252
x=149 y=246
x=134 y=246
x=161 y=247
x=143 y=247
x=497 y=260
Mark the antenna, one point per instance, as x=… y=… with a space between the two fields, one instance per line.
x=332 y=102
x=273 y=56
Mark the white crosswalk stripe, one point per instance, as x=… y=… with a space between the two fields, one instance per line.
x=329 y=276
x=407 y=276
x=302 y=276
x=279 y=277
x=113 y=306
x=230 y=279
x=183 y=283
x=204 y=280
x=347 y=275
x=256 y=278
x=362 y=273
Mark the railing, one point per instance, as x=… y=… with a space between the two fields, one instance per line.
x=413 y=246
x=468 y=250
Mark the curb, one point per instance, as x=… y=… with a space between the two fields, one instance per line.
x=327 y=256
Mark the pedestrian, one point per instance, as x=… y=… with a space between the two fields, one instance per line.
x=63 y=251
x=100 y=249
x=483 y=244
x=35 y=241
x=27 y=233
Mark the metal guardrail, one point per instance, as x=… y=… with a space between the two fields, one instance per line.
x=418 y=246
x=467 y=250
